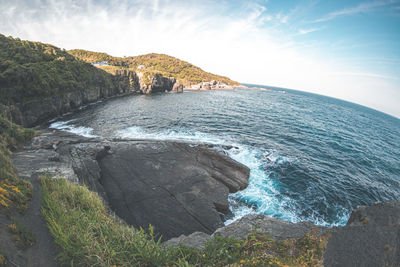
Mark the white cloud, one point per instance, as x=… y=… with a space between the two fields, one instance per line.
x=361 y=8
x=306 y=31
x=205 y=34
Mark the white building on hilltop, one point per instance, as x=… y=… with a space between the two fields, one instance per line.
x=141 y=67
x=100 y=63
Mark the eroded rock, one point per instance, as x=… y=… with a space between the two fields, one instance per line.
x=178 y=188
x=370 y=238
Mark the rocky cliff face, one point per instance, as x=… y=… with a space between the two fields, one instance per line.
x=158 y=84
x=127 y=81
x=38 y=111
x=212 y=85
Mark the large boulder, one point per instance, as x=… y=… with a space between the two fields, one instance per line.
x=156 y=83
x=178 y=188
x=370 y=238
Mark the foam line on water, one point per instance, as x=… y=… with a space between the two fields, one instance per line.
x=182 y=134
x=67 y=127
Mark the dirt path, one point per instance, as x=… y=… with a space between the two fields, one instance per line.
x=44 y=251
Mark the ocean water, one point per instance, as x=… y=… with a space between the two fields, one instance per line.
x=311 y=157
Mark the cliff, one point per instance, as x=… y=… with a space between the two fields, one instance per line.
x=40 y=81
x=187 y=74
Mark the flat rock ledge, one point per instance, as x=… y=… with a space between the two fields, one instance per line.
x=179 y=188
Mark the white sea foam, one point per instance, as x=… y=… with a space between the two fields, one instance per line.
x=184 y=135
x=261 y=193
x=67 y=127
x=274 y=157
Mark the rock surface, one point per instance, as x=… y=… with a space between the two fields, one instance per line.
x=37 y=111
x=178 y=188
x=195 y=240
x=212 y=85
x=277 y=229
x=370 y=238
x=158 y=84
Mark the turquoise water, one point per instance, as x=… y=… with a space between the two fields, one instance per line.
x=311 y=157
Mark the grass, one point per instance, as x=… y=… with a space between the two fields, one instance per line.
x=90 y=236
x=14 y=191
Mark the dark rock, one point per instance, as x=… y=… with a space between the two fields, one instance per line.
x=370 y=238
x=12 y=113
x=37 y=111
x=275 y=228
x=176 y=187
x=55 y=158
x=158 y=84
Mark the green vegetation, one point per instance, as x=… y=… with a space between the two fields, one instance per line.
x=31 y=70
x=89 y=57
x=22 y=235
x=89 y=235
x=181 y=70
x=3 y=260
x=14 y=191
x=168 y=66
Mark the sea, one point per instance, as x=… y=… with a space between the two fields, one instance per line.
x=311 y=157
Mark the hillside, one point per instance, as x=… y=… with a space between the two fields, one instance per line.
x=168 y=66
x=89 y=57
x=33 y=70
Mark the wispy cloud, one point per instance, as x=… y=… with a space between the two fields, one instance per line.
x=307 y=31
x=364 y=74
x=282 y=18
x=361 y=8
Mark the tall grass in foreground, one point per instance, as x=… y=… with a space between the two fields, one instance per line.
x=14 y=191
x=90 y=236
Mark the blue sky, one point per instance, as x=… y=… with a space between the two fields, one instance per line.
x=345 y=49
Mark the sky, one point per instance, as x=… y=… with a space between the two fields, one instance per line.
x=344 y=49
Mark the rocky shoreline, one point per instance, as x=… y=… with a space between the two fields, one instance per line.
x=182 y=190
x=178 y=188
